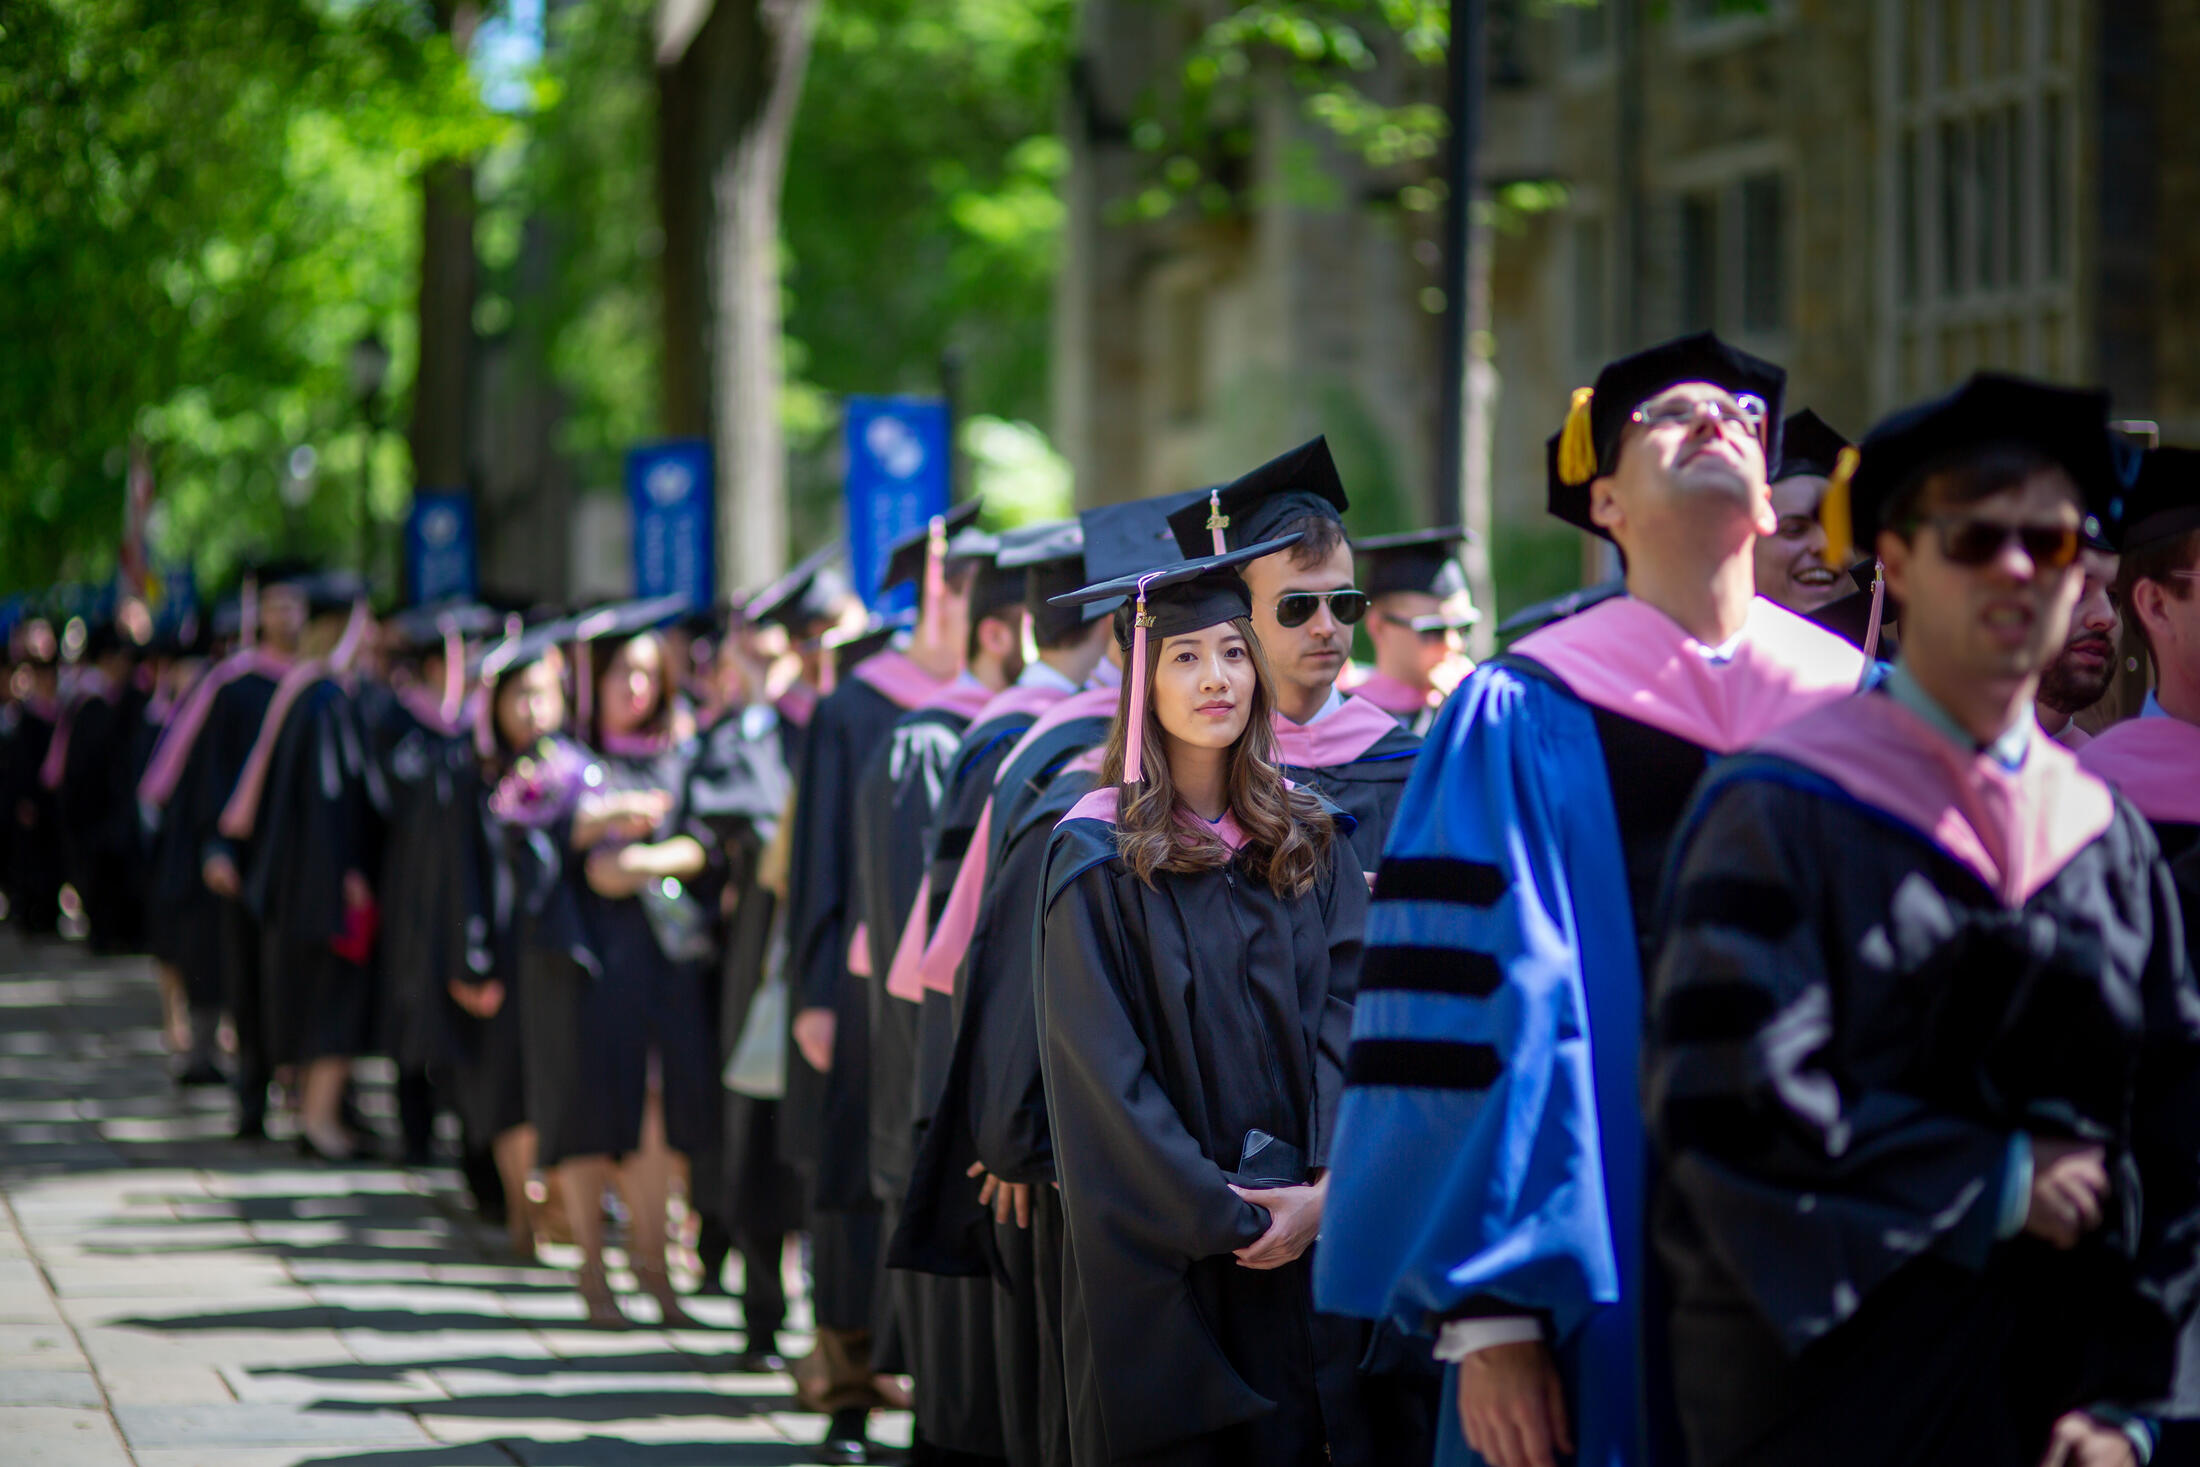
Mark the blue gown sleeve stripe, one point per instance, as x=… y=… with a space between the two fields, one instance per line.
x=1436 y=878
x=1423 y=1064
x=1413 y=968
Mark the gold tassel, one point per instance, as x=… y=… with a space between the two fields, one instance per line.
x=1577 y=443
x=1835 y=515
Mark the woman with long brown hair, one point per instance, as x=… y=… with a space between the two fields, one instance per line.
x=1199 y=949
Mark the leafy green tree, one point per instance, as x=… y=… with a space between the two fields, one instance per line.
x=201 y=208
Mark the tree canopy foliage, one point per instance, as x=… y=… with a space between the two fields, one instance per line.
x=201 y=208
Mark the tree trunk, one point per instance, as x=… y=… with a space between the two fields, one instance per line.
x=683 y=218
x=443 y=384
x=745 y=65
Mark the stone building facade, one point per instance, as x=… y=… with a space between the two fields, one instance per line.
x=1883 y=194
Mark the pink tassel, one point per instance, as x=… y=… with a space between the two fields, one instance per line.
x=248 y=612
x=1134 y=766
x=355 y=637
x=1217 y=521
x=454 y=670
x=1879 y=601
x=584 y=695
x=485 y=739
x=935 y=581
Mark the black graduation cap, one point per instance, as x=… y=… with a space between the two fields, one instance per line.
x=1418 y=560
x=421 y=629
x=1124 y=539
x=328 y=592
x=1850 y=617
x=851 y=647
x=810 y=593
x=2163 y=501
x=1808 y=446
x=1558 y=608
x=2066 y=425
x=1186 y=597
x=622 y=619
x=523 y=649
x=1587 y=447
x=905 y=561
x=1265 y=503
x=1051 y=559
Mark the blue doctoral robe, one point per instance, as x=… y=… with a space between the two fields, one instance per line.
x=1490 y=1153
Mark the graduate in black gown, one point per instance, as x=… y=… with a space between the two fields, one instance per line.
x=1200 y=944
x=180 y=651
x=1417 y=618
x=621 y=1057
x=420 y=741
x=176 y=795
x=1923 y=1063
x=527 y=780
x=1305 y=606
x=825 y=1120
x=88 y=768
x=216 y=760
x=34 y=819
x=304 y=811
x=793 y=616
x=934 y=1328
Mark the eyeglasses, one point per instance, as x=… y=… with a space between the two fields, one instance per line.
x=1295 y=608
x=1749 y=412
x=1974 y=542
x=1431 y=628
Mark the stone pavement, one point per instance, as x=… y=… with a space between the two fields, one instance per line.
x=170 y=1298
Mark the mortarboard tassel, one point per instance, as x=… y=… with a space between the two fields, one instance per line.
x=935 y=581
x=454 y=669
x=348 y=646
x=1835 y=513
x=1879 y=602
x=485 y=739
x=1217 y=521
x=1577 y=441
x=584 y=693
x=248 y=612
x=828 y=664
x=1134 y=767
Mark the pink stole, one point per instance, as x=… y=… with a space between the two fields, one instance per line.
x=166 y=766
x=2014 y=828
x=900 y=681
x=93 y=684
x=1338 y=739
x=1627 y=657
x=2154 y=763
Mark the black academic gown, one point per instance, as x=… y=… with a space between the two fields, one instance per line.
x=186 y=919
x=210 y=777
x=1368 y=788
x=610 y=983
x=97 y=805
x=429 y=884
x=1176 y=1019
x=825 y=1119
x=1848 y=1026
x=738 y=788
x=35 y=849
x=930 y=1321
x=316 y=821
x=991 y=1106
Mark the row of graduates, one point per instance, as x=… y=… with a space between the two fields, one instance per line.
x=1020 y=1158
x=1766 y=1053
x=524 y=861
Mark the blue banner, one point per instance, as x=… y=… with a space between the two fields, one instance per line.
x=898 y=463
x=439 y=547
x=669 y=488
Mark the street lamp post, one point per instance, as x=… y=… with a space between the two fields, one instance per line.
x=370 y=367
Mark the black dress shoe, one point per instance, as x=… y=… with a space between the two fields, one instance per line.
x=845 y=1440
x=250 y=1128
x=200 y=1072
x=760 y=1362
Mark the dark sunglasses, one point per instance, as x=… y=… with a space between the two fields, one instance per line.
x=1976 y=542
x=1431 y=628
x=1298 y=607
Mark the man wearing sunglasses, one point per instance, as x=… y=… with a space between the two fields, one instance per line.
x=1923 y=1043
x=2079 y=676
x=1305 y=606
x=1418 y=611
x=1488 y=1184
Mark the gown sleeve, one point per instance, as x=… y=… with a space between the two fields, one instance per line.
x=2166 y=1132
x=1344 y=919
x=1810 y=1185
x=817 y=924
x=1467 y=1174
x=1130 y=1169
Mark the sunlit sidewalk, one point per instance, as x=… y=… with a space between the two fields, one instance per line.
x=170 y=1298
